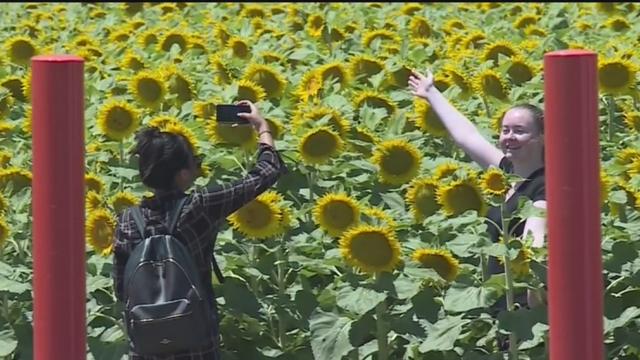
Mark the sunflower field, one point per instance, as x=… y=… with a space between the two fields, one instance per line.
x=374 y=244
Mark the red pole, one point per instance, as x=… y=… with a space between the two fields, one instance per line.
x=58 y=208
x=572 y=156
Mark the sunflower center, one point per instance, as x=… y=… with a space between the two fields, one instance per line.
x=438 y=263
x=425 y=201
x=339 y=214
x=495 y=183
x=464 y=197
x=397 y=162
x=367 y=67
x=320 y=144
x=377 y=102
x=22 y=50
x=174 y=39
x=245 y=92
x=101 y=233
x=371 y=248
x=235 y=135
x=119 y=119
x=15 y=87
x=182 y=88
x=500 y=49
x=491 y=85
x=149 y=89
x=268 y=81
x=520 y=73
x=255 y=215
x=615 y=75
x=333 y=72
x=240 y=49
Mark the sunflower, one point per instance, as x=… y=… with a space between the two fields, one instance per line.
x=474 y=40
x=526 y=20
x=373 y=249
x=4 y=232
x=459 y=196
x=6 y=102
x=459 y=78
x=520 y=71
x=519 y=265
x=605 y=187
x=123 y=200
x=375 y=99
x=363 y=134
x=132 y=61
x=239 y=47
x=248 y=90
x=616 y=76
x=398 y=161
x=5 y=157
x=336 y=213
x=253 y=11
x=178 y=84
x=627 y=155
x=132 y=8
x=334 y=35
x=179 y=129
x=382 y=35
x=410 y=9
x=222 y=75
x=20 y=49
x=491 y=51
x=148 y=38
x=617 y=24
x=148 y=88
x=494 y=183
x=93 y=201
x=18 y=178
x=242 y=136
x=268 y=78
x=118 y=120
x=421 y=197
x=533 y=30
x=319 y=145
x=120 y=36
x=490 y=84
x=376 y=216
x=310 y=85
x=94 y=183
x=365 y=66
x=334 y=70
x=15 y=85
x=632 y=120
x=270 y=57
x=419 y=27
x=171 y=38
x=427 y=120
x=260 y=218
x=205 y=110
x=4 y=204
x=100 y=227
x=441 y=261
x=316 y=116
x=315 y=25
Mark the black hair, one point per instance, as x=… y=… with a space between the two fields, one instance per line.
x=161 y=155
x=536 y=113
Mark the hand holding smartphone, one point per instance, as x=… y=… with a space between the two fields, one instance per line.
x=228 y=114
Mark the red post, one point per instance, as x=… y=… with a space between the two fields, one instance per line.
x=58 y=208
x=572 y=157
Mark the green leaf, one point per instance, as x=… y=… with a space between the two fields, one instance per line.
x=13 y=287
x=107 y=350
x=238 y=297
x=443 y=334
x=406 y=287
x=329 y=335
x=425 y=305
x=126 y=173
x=362 y=330
x=394 y=200
x=461 y=299
x=522 y=321
x=626 y=316
x=618 y=197
x=8 y=342
x=360 y=300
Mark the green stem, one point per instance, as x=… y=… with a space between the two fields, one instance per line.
x=513 y=347
x=382 y=329
x=611 y=110
x=281 y=292
x=486 y=106
x=5 y=308
x=485 y=268
x=121 y=186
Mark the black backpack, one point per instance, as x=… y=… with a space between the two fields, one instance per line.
x=166 y=309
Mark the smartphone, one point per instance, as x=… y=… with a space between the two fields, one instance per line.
x=228 y=114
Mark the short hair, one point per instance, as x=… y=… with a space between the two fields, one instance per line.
x=536 y=113
x=161 y=156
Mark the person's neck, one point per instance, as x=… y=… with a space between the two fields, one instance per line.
x=525 y=169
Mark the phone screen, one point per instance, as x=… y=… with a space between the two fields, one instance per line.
x=229 y=113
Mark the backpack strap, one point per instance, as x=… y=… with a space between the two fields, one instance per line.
x=176 y=214
x=139 y=219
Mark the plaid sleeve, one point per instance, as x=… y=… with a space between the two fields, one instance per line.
x=221 y=200
x=121 y=252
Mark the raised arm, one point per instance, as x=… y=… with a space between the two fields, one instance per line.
x=462 y=131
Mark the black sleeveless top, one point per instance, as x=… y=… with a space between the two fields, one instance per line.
x=533 y=188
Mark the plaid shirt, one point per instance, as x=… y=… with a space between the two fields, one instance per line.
x=197 y=228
